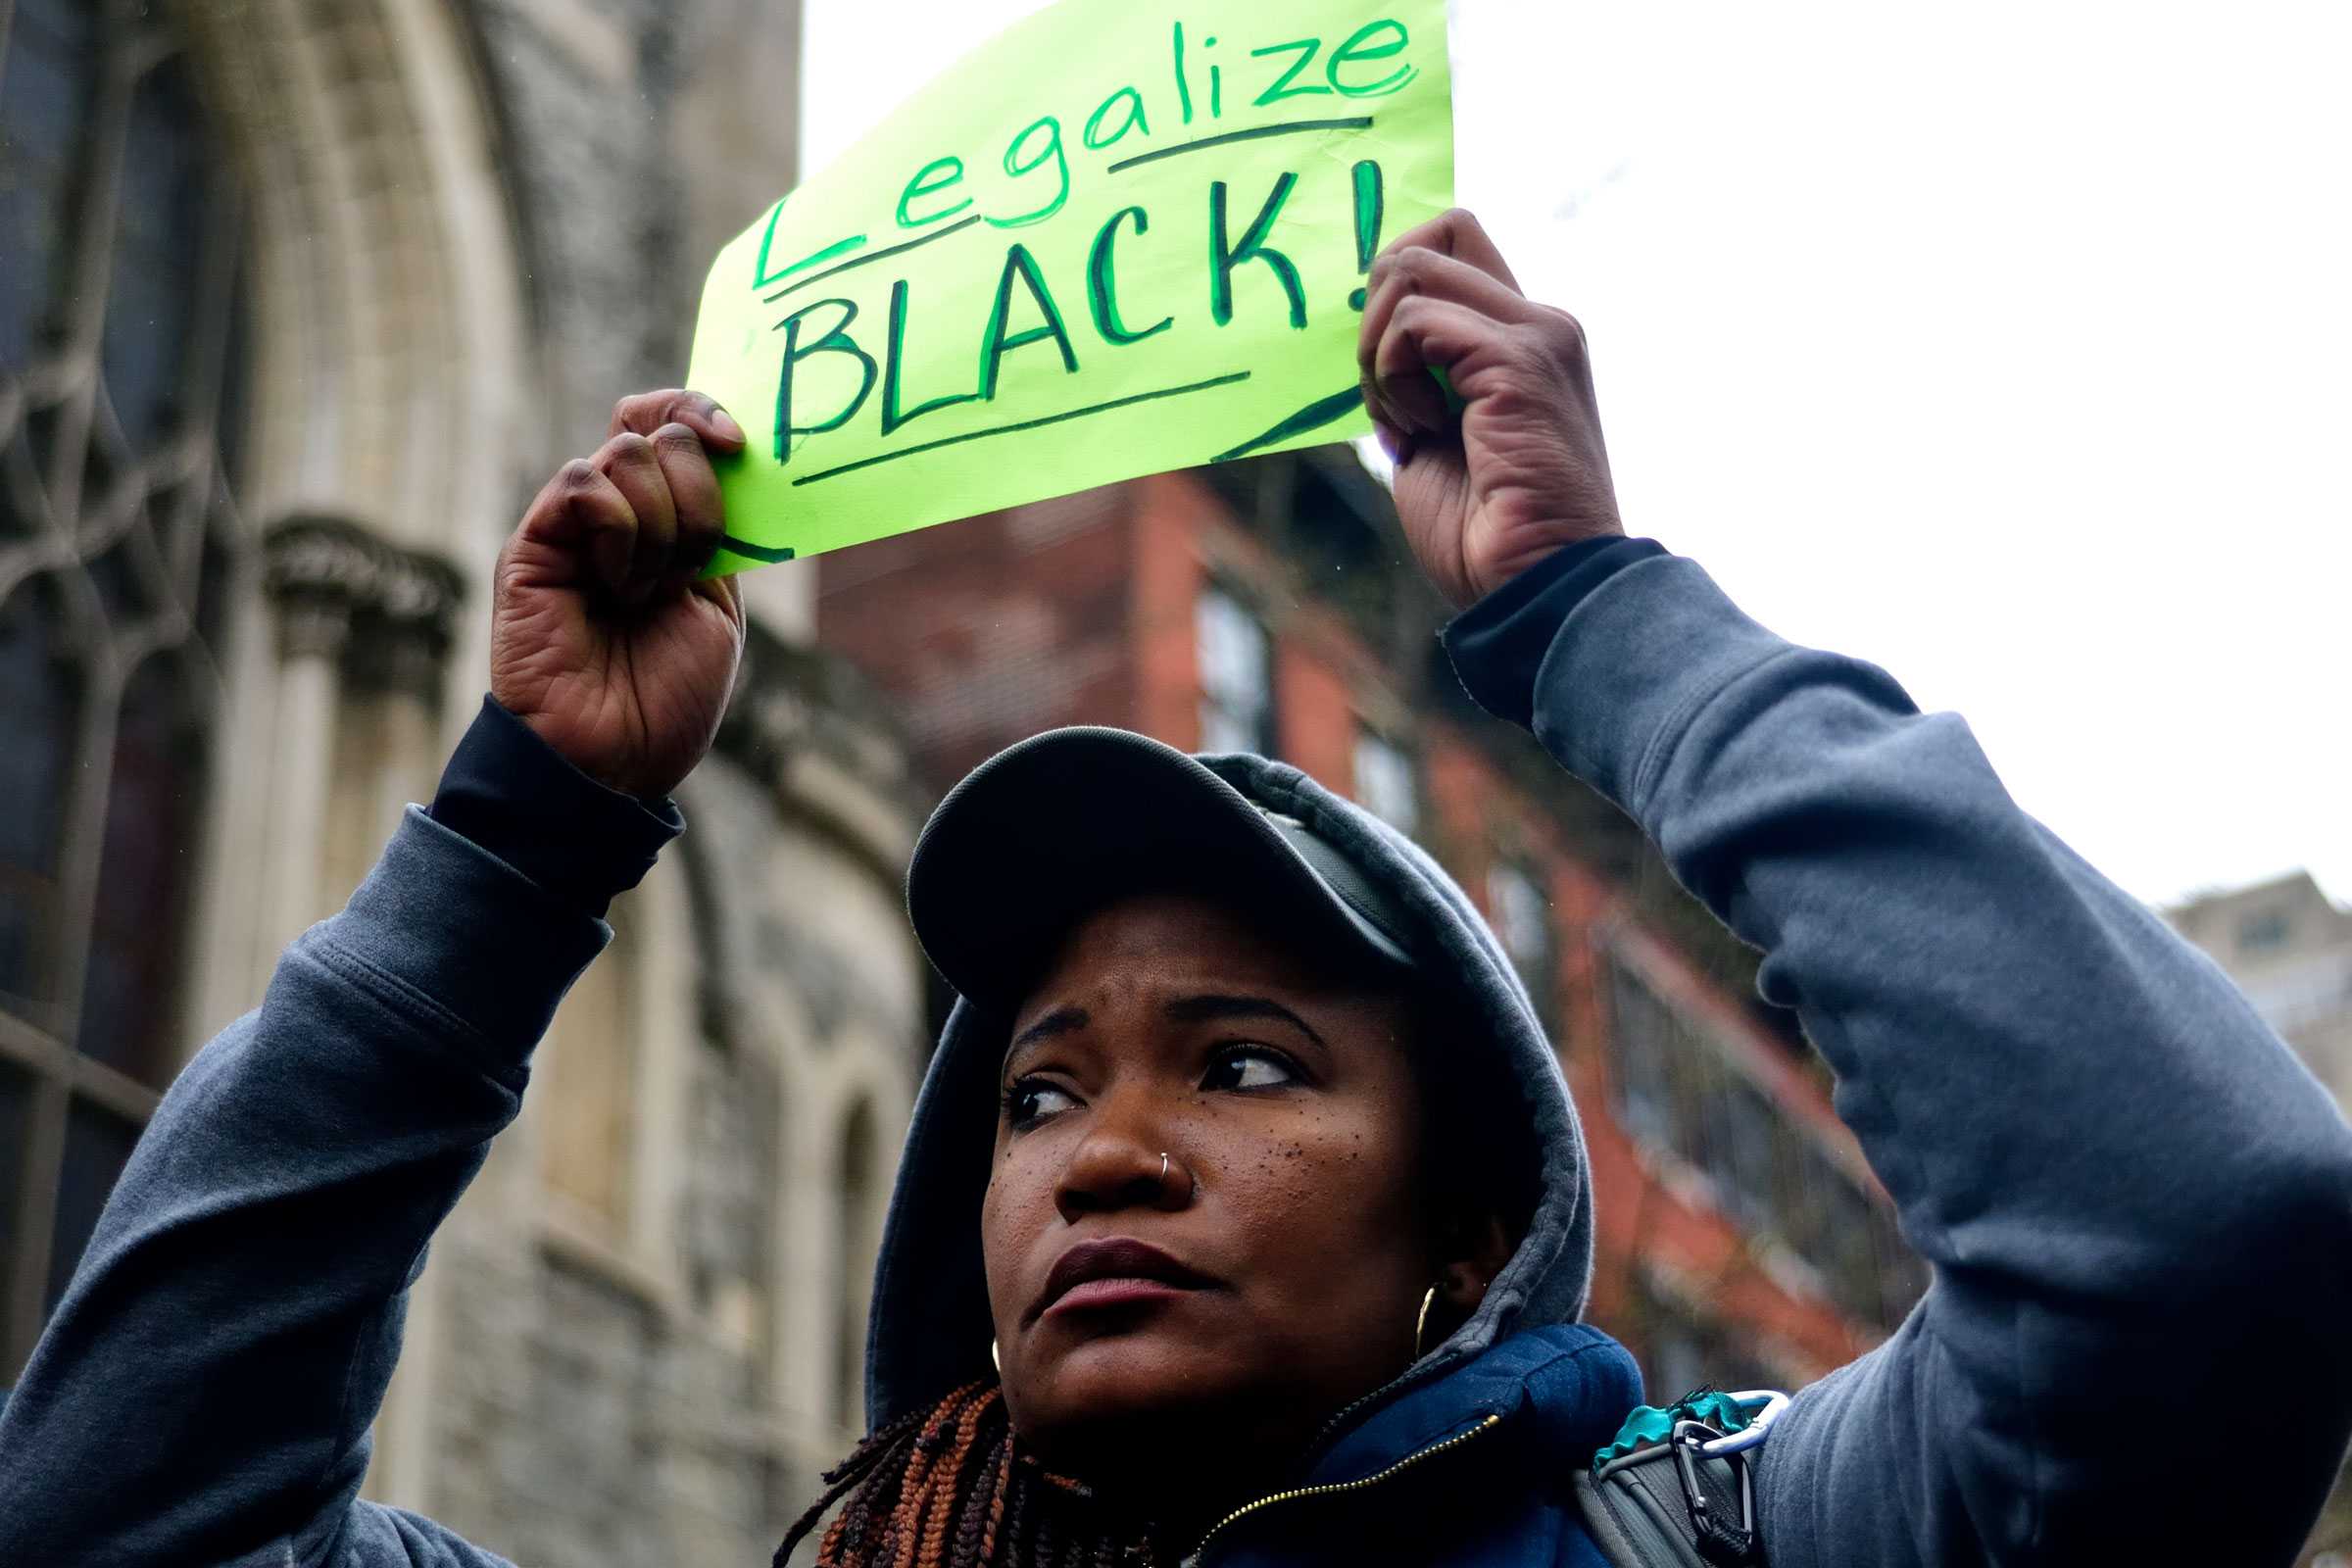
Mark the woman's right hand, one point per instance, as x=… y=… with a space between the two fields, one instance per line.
x=602 y=639
x=1512 y=468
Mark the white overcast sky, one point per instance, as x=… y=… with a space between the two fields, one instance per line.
x=2008 y=346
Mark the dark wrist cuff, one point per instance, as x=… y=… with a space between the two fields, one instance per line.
x=514 y=794
x=1499 y=644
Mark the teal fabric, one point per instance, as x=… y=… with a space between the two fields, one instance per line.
x=1650 y=1423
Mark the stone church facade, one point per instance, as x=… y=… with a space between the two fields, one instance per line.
x=300 y=300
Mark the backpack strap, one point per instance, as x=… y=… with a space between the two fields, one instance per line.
x=1673 y=1491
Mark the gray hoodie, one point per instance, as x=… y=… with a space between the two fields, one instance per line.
x=2136 y=1204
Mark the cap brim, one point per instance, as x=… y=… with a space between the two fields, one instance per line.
x=1046 y=831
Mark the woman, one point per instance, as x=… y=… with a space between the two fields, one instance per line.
x=1272 y=1120
x=1244 y=1217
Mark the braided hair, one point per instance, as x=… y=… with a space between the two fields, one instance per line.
x=950 y=1486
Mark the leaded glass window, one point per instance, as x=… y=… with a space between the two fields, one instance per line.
x=121 y=351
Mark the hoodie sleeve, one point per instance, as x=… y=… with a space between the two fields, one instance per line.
x=2136 y=1203
x=204 y=1391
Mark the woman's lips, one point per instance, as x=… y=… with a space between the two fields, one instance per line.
x=1117 y=1271
x=1105 y=1293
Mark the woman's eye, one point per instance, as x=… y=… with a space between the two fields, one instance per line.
x=1030 y=1100
x=1249 y=1067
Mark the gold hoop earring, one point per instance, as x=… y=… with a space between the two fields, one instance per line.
x=1428 y=1299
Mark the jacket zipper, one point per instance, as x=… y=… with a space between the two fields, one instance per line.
x=1200 y=1552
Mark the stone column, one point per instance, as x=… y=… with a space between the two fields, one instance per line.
x=362 y=628
x=394 y=667
x=364 y=631
x=309 y=624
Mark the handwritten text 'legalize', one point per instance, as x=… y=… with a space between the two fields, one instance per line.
x=942 y=197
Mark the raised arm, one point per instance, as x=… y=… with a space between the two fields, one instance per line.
x=2138 y=1204
x=204 y=1391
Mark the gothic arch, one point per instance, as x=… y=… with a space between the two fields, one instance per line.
x=386 y=267
x=387 y=421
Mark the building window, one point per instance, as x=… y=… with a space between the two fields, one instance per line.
x=1678 y=1094
x=1237 y=676
x=1522 y=918
x=1385 y=784
x=1684 y=1348
x=1676 y=1358
x=1741 y=1132
x=1644 y=1070
x=121 y=350
x=2263 y=931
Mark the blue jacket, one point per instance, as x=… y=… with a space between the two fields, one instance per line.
x=2138 y=1206
x=1469 y=1469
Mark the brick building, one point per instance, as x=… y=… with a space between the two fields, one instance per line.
x=1267 y=605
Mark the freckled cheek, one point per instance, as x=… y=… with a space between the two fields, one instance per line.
x=1017 y=1209
x=1301 y=1200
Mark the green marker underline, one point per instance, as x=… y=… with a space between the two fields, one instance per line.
x=871 y=256
x=1025 y=425
x=1356 y=123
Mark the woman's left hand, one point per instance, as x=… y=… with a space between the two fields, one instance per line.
x=1520 y=470
x=601 y=638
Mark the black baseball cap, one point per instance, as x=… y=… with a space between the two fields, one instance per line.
x=1050 y=829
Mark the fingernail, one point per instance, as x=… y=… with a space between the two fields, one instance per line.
x=724 y=423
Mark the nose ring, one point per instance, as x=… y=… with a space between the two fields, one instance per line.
x=1164 y=1165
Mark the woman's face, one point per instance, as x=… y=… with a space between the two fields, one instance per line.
x=1287 y=1226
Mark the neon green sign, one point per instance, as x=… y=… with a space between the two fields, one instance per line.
x=1115 y=240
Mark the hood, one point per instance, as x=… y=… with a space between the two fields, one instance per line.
x=929 y=1329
